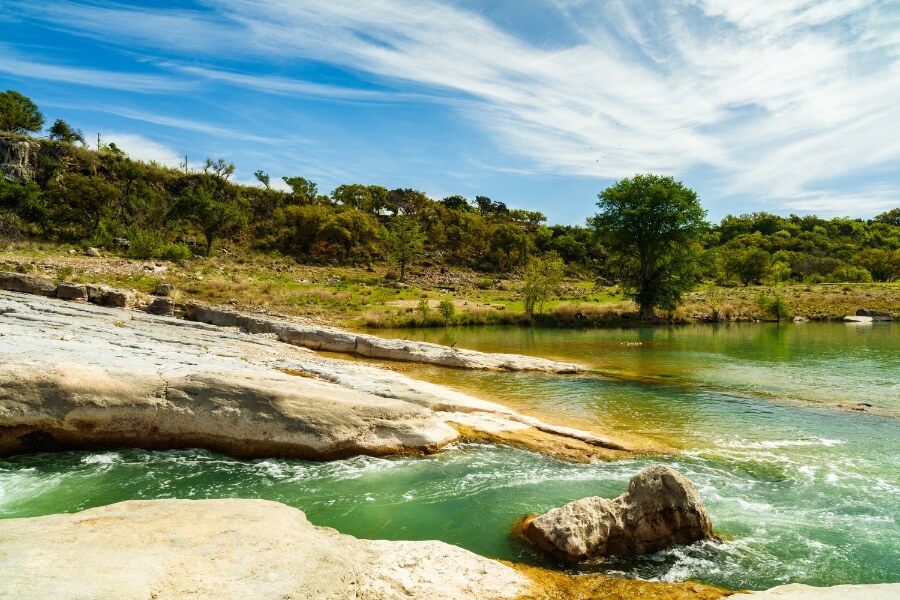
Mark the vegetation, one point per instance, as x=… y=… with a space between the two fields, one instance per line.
x=477 y=262
x=18 y=114
x=653 y=225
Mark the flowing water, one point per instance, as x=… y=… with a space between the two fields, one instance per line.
x=791 y=434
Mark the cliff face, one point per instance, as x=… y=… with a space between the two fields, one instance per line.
x=18 y=159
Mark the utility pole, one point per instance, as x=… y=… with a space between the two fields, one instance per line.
x=185 y=164
x=98 y=140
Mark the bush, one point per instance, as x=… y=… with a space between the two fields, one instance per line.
x=447 y=310
x=175 y=252
x=774 y=308
x=144 y=244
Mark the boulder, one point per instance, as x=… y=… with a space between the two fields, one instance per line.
x=660 y=509
x=161 y=306
x=72 y=291
x=27 y=284
x=253 y=549
x=92 y=252
x=874 y=315
x=117 y=298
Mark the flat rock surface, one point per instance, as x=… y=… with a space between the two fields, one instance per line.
x=76 y=375
x=168 y=549
x=797 y=591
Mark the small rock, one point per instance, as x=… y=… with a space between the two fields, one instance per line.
x=161 y=306
x=73 y=251
x=660 y=509
x=117 y=298
x=72 y=291
x=92 y=252
x=399 y=286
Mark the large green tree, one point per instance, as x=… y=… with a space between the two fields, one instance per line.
x=651 y=225
x=18 y=113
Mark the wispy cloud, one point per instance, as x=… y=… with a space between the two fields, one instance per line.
x=775 y=98
x=13 y=64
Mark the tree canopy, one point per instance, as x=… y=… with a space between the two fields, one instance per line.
x=18 y=113
x=651 y=225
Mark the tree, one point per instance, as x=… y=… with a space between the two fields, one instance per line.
x=263 y=178
x=60 y=131
x=748 y=264
x=651 y=225
x=404 y=241
x=303 y=191
x=541 y=279
x=214 y=214
x=219 y=168
x=18 y=113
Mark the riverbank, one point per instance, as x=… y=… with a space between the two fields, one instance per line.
x=360 y=297
x=76 y=375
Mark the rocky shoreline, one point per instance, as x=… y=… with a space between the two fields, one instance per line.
x=77 y=375
x=83 y=375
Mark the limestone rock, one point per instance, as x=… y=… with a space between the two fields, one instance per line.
x=370 y=346
x=797 y=591
x=27 y=284
x=72 y=291
x=161 y=306
x=117 y=298
x=874 y=314
x=18 y=159
x=660 y=509
x=92 y=252
x=249 y=549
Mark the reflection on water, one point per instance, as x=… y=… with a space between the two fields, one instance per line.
x=800 y=491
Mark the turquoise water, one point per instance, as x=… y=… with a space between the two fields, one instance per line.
x=801 y=490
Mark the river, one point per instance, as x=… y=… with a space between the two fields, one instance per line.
x=790 y=432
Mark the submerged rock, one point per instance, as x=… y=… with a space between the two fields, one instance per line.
x=231 y=548
x=660 y=509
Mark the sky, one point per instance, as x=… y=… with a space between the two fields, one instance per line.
x=783 y=106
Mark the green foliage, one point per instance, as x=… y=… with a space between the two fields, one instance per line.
x=404 y=242
x=210 y=206
x=424 y=309
x=61 y=132
x=774 y=308
x=447 y=310
x=540 y=280
x=263 y=178
x=750 y=265
x=18 y=113
x=651 y=226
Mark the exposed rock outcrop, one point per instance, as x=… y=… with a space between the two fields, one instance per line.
x=370 y=346
x=168 y=549
x=874 y=314
x=660 y=509
x=27 y=284
x=76 y=375
x=797 y=591
x=18 y=159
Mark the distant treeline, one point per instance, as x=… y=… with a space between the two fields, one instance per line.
x=103 y=198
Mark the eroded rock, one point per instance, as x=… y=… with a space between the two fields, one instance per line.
x=72 y=291
x=27 y=284
x=168 y=549
x=660 y=509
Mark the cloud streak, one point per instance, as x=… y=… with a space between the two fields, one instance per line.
x=773 y=99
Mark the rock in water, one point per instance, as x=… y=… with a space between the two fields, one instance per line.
x=660 y=509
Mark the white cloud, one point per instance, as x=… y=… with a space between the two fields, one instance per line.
x=144 y=149
x=777 y=97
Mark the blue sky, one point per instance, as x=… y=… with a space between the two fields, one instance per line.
x=786 y=106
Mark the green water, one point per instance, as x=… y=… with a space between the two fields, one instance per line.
x=801 y=490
